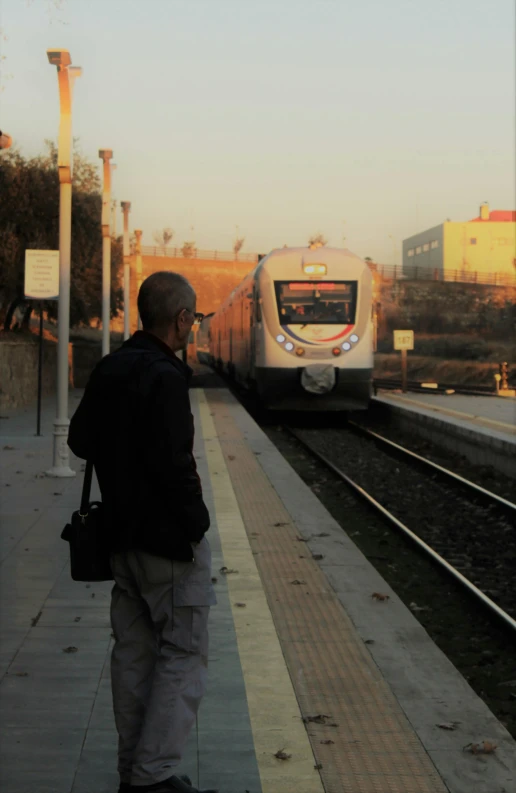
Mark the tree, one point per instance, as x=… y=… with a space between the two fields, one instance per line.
x=317 y=240
x=238 y=245
x=163 y=237
x=29 y=218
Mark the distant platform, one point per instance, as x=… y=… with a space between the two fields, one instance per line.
x=483 y=429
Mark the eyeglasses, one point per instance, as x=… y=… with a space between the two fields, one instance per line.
x=198 y=317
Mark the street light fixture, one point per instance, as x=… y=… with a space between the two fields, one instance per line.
x=106 y=155
x=126 y=206
x=66 y=75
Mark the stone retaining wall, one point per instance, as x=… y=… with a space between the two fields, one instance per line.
x=19 y=372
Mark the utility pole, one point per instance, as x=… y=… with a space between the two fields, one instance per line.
x=106 y=155
x=139 y=267
x=113 y=215
x=126 y=206
x=66 y=75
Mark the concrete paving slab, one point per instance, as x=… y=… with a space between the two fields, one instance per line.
x=35 y=759
x=70 y=693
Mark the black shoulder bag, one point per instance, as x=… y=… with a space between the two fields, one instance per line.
x=89 y=542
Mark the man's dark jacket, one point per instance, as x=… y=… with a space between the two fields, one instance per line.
x=134 y=422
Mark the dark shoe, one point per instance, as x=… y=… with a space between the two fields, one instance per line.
x=173 y=784
x=125 y=787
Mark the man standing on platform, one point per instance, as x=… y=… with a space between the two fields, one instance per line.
x=135 y=424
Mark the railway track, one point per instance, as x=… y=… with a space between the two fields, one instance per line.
x=467 y=530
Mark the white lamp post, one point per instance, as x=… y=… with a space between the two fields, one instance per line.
x=113 y=215
x=126 y=206
x=66 y=75
x=113 y=204
x=139 y=268
x=106 y=155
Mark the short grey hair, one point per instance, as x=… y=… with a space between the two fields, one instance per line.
x=162 y=297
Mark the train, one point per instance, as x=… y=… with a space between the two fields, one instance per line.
x=297 y=331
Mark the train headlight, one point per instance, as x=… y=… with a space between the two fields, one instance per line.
x=346 y=346
x=280 y=338
x=336 y=351
x=289 y=346
x=315 y=269
x=300 y=351
x=353 y=338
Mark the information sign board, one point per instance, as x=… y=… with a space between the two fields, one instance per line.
x=42 y=275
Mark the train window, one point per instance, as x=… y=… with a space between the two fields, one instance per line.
x=308 y=303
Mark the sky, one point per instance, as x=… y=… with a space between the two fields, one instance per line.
x=365 y=120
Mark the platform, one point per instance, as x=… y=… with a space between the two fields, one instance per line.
x=291 y=667
x=483 y=429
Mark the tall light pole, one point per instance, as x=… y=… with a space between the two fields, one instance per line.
x=105 y=155
x=126 y=206
x=113 y=218
x=66 y=74
x=113 y=204
x=139 y=268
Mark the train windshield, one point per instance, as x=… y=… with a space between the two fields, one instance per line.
x=309 y=303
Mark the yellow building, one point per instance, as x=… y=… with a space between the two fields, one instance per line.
x=480 y=249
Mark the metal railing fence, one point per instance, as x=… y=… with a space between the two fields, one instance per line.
x=390 y=271
x=417 y=273
x=194 y=253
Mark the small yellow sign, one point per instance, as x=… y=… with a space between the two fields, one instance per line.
x=403 y=339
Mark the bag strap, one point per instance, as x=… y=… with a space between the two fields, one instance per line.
x=86 y=488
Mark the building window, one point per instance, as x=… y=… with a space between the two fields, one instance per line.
x=434 y=244
x=418 y=250
x=426 y=247
x=410 y=252
x=502 y=241
x=473 y=241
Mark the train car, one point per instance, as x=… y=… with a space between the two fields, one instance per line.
x=298 y=330
x=203 y=341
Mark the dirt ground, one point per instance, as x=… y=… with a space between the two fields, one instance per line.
x=440 y=370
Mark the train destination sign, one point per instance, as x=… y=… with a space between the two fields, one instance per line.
x=42 y=275
x=403 y=339
x=309 y=286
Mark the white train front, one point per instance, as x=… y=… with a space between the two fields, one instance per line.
x=298 y=330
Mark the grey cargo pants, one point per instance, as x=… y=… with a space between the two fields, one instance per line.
x=159 y=615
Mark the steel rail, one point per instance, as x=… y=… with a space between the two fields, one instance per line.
x=490 y=604
x=486 y=494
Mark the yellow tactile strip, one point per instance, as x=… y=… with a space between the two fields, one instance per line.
x=273 y=708
x=373 y=747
